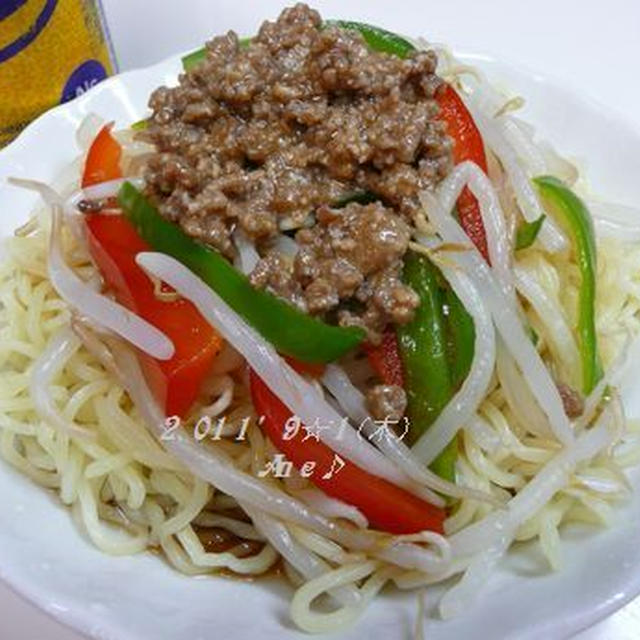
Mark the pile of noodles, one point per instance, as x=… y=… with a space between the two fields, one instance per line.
x=67 y=422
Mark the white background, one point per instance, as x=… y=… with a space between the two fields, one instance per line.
x=593 y=45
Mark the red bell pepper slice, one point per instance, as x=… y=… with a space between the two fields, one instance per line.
x=386 y=506
x=385 y=359
x=313 y=369
x=176 y=383
x=103 y=159
x=467 y=145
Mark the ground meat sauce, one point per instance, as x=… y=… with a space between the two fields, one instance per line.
x=386 y=401
x=351 y=254
x=269 y=136
x=572 y=401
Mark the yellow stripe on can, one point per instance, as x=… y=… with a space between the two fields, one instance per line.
x=50 y=51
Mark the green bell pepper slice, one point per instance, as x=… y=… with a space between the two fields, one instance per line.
x=289 y=330
x=435 y=348
x=423 y=346
x=575 y=219
x=194 y=58
x=528 y=232
x=378 y=39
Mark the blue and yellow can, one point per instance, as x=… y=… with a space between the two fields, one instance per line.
x=50 y=51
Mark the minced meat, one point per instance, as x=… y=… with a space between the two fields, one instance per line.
x=572 y=401
x=352 y=253
x=262 y=136
x=386 y=402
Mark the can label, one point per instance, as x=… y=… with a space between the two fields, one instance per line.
x=51 y=51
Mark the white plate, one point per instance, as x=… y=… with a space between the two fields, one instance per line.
x=45 y=558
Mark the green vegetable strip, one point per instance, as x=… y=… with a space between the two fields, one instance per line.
x=423 y=349
x=528 y=232
x=378 y=39
x=445 y=464
x=193 y=59
x=290 y=331
x=140 y=125
x=575 y=219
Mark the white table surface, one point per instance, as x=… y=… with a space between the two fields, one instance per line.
x=593 y=45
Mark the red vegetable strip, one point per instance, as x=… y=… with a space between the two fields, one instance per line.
x=176 y=383
x=387 y=507
x=103 y=159
x=467 y=145
x=313 y=369
x=385 y=359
